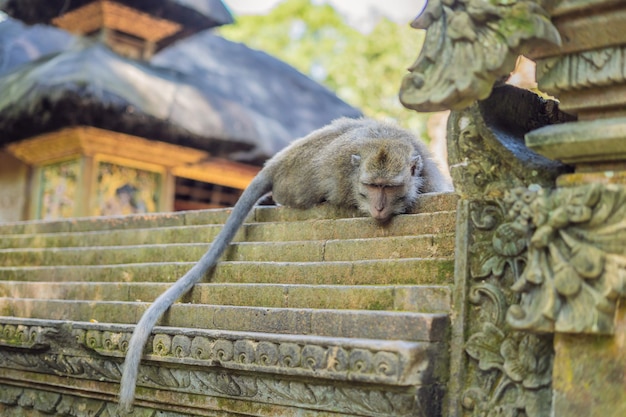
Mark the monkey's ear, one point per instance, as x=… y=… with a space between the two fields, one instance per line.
x=356 y=160
x=416 y=164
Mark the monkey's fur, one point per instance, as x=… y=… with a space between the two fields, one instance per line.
x=375 y=167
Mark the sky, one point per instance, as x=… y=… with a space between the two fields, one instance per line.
x=362 y=14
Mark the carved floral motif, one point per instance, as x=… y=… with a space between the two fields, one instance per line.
x=509 y=372
x=541 y=260
x=17 y=401
x=571 y=245
x=521 y=363
x=576 y=269
x=469 y=45
x=257 y=387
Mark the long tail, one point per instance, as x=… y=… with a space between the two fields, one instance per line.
x=259 y=186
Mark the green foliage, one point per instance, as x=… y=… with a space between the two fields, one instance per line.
x=365 y=70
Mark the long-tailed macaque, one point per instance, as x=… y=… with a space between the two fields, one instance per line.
x=375 y=167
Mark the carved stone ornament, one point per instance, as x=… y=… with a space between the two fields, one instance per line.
x=589 y=69
x=469 y=45
x=576 y=268
x=374 y=378
x=18 y=401
x=567 y=248
x=373 y=362
x=507 y=372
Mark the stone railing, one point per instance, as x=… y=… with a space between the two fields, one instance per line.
x=541 y=275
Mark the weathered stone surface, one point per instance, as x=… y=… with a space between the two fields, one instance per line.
x=486 y=148
x=322 y=229
x=384 y=272
x=402 y=271
x=223 y=365
x=335 y=316
x=590 y=373
x=338 y=323
x=427 y=203
x=349 y=297
x=588 y=141
x=301 y=251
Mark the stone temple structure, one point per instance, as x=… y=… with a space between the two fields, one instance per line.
x=504 y=298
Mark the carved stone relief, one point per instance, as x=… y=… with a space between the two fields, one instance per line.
x=542 y=260
x=469 y=45
x=371 y=379
x=596 y=68
x=576 y=268
x=393 y=363
x=25 y=337
x=17 y=401
x=507 y=372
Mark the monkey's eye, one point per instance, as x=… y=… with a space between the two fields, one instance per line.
x=385 y=186
x=376 y=186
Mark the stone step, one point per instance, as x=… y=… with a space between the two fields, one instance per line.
x=322 y=229
x=383 y=325
x=319 y=302
x=427 y=203
x=425 y=246
x=415 y=271
x=428 y=299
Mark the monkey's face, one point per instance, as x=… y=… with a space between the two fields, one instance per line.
x=388 y=183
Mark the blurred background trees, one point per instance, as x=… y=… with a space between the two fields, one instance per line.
x=363 y=67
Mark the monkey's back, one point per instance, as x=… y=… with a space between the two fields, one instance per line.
x=318 y=168
x=308 y=171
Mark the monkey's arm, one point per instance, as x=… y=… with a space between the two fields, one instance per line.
x=259 y=186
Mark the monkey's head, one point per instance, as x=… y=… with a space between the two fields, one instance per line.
x=388 y=180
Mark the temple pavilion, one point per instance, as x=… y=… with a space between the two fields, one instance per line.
x=132 y=106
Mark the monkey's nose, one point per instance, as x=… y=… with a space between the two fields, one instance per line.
x=380 y=216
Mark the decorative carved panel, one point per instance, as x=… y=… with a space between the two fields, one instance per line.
x=352 y=376
x=469 y=45
x=506 y=372
x=576 y=268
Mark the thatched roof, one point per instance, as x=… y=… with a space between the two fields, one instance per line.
x=22 y=44
x=204 y=92
x=193 y=15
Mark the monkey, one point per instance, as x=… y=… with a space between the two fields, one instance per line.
x=376 y=167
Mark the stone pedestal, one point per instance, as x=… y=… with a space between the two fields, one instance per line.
x=589 y=376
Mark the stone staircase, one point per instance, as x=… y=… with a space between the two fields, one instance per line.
x=314 y=313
